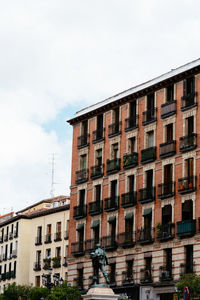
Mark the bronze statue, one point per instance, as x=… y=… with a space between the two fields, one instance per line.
x=99 y=260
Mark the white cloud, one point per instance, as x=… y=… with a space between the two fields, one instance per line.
x=58 y=54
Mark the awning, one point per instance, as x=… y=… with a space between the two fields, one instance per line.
x=147 y=212
x=95 y=224
x=79 y=227
x=129 y=216
x=112 y=219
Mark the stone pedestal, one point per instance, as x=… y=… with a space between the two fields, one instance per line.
x=100 y=293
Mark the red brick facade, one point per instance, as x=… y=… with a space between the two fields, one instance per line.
x=145 y=224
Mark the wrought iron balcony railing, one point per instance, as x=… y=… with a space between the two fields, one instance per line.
x=56 y=262
x=83 y=141
x=188 y=143
x=47 y=239
x=126 y=239
x=131 y=123
x=95 y=208
x=187 y=185
x=114 y=129
x=167 y=149
x=188 y=101
x=148 y=155
x=186 y=228
x=77 y=248
x=165 y=232
x=146 y=275
x=168 y=109
x=97 y=171
x=149 y=116
x=98 y=135
x=166 y=190
x=37 y=266
x=127 y=277
x=90 y=245
x=113 y=165
x=58 y=236
x=81 y=176
x=145 y=235
x=38 y=240
x=130 y=160
x=129 y=199
x=166 y=273
x=80 y=211
x=109 y=242
x=111 y=203
x=147 y=194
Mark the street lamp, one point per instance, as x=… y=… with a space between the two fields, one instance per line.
x=46 y=279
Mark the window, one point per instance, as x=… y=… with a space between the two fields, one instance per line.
x=170 y=93
x=115 y=151
x=58 y=252
x=100 y=123
x=99 y=157
x=82 y=197
x=113 y=189
x=131 y=145
x=131 y=180
x=129 y=269
x=150 y=101
x=84 y=127
x=112 y=227
x=39 y=233
x=98 y=192
x=189 y=125
x=116 y=115
x=48 y=253
x=37 y=280
x=187 y=210
x=149 y=179
x=150 y=139
x=49 y=229
x=58 y=230
x=189 y=167
x=38 y=257
x=129 y=223
x=83 y=161
x=189 y=86
x=112 y=273
x=169 y=132
x=168 y=173
x=166 y=214
x=80 y=278
x=189 y=259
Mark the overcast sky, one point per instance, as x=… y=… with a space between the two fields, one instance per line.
x=58 y=56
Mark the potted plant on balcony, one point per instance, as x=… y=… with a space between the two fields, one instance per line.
x=56 y=262
x=182 y=187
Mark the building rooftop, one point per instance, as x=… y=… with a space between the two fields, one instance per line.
x=135 y=90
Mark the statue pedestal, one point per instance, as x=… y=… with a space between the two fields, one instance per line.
x=100 y=293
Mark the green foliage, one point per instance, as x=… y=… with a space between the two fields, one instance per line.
x=37 y=292
x=192 y=281
x=64 y=292
x=13 y=291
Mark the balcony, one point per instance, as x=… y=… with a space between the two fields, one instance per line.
x=131 y=123
x=165 y=273
x=109 y=242
x=38 y=240
x=130 y=160
x=90 y=245
x=111 y=203
x=147 y=194
x=165 y=232
x=166 y=190
x=149 y=116
x=37 y=266
x=167 y=149
x=148 y=155
x=168 y=109
x=83 y=141
x=146 y=276
x=58 y=237
x=77 y=248
x=80 y=212
x=114 y=129
x=5 y=237
x=127 y=278
x=126 y=239
x=47 y=263
x=113 y=165
x=65 y=261
x=47 y=238
x=81 y=176
x=188 y=101
x=97 y=171
x=10 y=235
x=56 y=262
x=95 y=208
x=186 y=228
x=98 y=135
x=188 y=143
x=129 y=199
x=145 y=235
x=187 y=185
x=66 y=235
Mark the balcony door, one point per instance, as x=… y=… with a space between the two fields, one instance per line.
x=96 y=233
x=149 y=179
x=82 y=197
x=188 y=86
x=189 y=126
x=168 y=169
x=100 y=122
x=187 y=210
x=169 y=132
x=189 y=167
x=85 y=127
x=131 y=180
x=150 y=102
x=170 y=93
x=114 y=189
x=116 y=115
x=150 y=139
x=98 y=192
x=166 y=214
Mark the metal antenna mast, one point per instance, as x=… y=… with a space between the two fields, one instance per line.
x=52 y=175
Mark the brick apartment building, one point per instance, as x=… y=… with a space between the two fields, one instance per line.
x=135 y=185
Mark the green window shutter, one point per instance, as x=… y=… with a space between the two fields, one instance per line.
x=147 y=212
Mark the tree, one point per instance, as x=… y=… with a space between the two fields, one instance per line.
x=37 y=292
x=192 y=281
x=13 y=291
x=64 y=292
